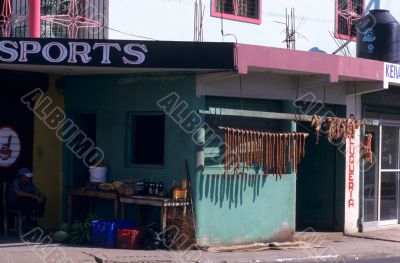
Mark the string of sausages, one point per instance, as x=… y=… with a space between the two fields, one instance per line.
x=272 y=152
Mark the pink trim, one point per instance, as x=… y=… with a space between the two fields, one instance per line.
x=342 y=36
x=345 y=37
x=215 y=13
x=295 y=61
x=34 y=18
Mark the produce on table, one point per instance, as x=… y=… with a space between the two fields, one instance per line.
x=118 y=186
x=129 y=191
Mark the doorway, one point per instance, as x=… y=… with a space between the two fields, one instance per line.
x=382 y=177
x=320 y=185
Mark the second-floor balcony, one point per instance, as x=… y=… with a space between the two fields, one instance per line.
x=84 y=19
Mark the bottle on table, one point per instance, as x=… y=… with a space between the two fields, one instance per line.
x=184 y=190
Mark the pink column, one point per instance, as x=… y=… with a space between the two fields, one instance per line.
x=34 y=18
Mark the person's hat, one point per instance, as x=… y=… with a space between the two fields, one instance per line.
x=26 y=172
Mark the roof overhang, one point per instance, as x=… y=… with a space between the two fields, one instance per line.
x=332 y=67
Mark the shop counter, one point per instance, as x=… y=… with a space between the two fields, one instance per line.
x=163 y=203
x=92 y=195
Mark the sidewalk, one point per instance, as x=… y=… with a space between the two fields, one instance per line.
x=332 y=248
x=385 y=234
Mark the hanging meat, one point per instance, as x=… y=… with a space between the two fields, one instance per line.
x=316 y=123
x=367 y=148
x=342 y=129
x=226 y=152
x=351 y=127
x=246 y=149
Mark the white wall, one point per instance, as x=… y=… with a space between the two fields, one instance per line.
x=256 y=85
x=173 y=20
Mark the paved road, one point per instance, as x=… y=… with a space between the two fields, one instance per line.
x=382 y=260
x=379 y=260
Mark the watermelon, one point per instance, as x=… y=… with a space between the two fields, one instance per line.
x=60 y=236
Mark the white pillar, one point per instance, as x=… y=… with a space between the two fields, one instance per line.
x=352 y=172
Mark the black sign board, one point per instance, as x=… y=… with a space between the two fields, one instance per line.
x=117 y=53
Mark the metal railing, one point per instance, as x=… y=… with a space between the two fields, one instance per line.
x=85 y=19
x=13 y=18
x=244 y=8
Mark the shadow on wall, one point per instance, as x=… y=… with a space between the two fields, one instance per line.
x=229 y=189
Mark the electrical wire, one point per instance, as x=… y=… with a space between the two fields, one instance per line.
x=355 y=100
x=129 y=34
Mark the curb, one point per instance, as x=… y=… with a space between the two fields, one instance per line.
x=372 y=238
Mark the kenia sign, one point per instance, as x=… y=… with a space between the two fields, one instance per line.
x=117 y=53
x=392 y=73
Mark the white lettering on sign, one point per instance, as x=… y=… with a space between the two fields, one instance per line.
x=130 y=49
x=62 y=50
x=83 y=54
x=392 y=73
x=107 y=50
x=57 y=52
x=9 y=48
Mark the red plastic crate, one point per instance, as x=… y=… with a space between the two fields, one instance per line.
x=129 y=238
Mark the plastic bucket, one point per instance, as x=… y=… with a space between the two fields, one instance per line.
x=104 y=232
x=98 y=174
x=129 y=238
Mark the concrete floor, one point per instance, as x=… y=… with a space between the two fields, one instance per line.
x=391 y=233
x=331 y=248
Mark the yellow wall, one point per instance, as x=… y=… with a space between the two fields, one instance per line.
x=47 y=161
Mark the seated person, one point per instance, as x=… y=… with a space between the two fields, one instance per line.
x=24 y=196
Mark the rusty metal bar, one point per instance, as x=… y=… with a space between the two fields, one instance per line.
x=269 y=115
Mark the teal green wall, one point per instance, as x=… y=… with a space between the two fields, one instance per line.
x=111 y=98
x=243 y=208
x=229 y=210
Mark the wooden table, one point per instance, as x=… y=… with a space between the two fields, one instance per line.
x=92 y=195
x=163 y=203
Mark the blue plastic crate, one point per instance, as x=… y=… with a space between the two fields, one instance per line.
x=105 y=231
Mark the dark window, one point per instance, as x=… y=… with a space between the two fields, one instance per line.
x=242 y=8
x=147 y=139
x=348 y=13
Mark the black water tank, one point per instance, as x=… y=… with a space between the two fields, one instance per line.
x=378 y=37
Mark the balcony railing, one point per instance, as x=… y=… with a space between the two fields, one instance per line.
x=84 y=19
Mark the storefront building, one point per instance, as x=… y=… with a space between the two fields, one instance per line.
x=146 y=110
x=324 y=194
x=168 y=100
x=381 y=178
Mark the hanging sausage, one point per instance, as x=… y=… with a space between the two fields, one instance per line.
x=226 y=152
x=245 y=149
